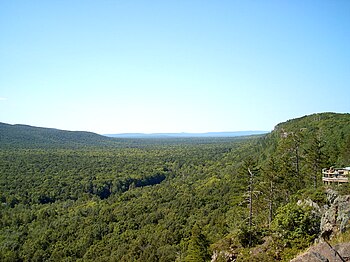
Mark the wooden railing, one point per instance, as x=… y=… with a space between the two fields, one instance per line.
x=337 y=175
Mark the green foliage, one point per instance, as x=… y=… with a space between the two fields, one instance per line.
x=83 y=197
x=317 y=195
x=250 y=237
x=20 y=136
x=197 y=246
x=132 y=204
x=297 y=225
x=332 y=129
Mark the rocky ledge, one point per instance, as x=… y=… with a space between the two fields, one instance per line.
x=335 y=219
x=324 y=252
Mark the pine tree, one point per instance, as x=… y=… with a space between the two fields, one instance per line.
x=270 y=185
x=289 y=152
x=197 y=246
x=315 y=158
x=250 y=170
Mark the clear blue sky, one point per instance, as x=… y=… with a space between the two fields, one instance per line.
x=172 y=66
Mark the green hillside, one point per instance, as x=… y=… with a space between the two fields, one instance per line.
x=156 y=200
x=288 y=164
x=330 y=128
x=31 y=137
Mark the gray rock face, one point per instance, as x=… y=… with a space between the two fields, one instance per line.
x=331 y=195
x=323 y=252
x=344 y=250
x=336 y=217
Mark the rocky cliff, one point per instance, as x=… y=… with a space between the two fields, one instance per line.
x=324 y=252
x=336 y=216
x=335 y=220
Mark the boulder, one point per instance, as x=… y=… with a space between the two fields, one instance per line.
x=336 y=216
x=324 y=252
x=344 y=250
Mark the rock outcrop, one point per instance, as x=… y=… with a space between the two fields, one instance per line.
x=324 y=252
x=335 y=219
x=336 y=216
x=227 y=256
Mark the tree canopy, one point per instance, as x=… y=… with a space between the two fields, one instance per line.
x=165 y=199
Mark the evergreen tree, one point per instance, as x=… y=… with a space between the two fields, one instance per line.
x=270 y=185
x=249 y=170
x=315 y=158
x=197 y=246
x=289 y=152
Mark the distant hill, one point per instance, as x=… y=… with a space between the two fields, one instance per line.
x=185 y=135
x=25 y=136
x=32 y=137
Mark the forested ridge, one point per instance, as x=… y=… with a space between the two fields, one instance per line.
x=167 y=199
x=24 y=136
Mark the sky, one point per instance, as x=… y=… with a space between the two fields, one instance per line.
x=129 y=66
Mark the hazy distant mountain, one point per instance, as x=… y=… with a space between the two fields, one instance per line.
x=30 y=136
x=182 y=135
x=33 y=137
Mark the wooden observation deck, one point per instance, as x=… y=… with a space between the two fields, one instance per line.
x=335 y=175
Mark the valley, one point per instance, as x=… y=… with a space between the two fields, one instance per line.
x=68 y=196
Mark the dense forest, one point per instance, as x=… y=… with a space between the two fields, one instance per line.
x=83 y=197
